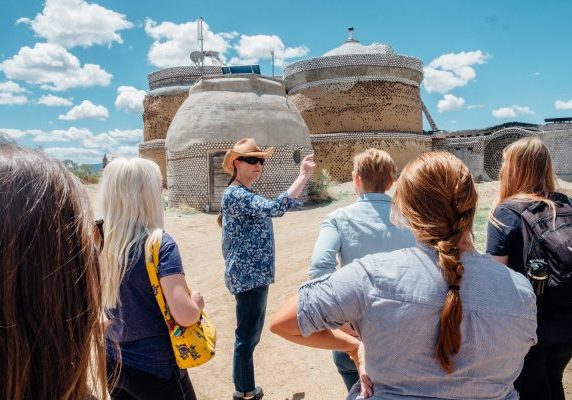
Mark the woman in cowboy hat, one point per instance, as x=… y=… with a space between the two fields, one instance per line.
x=248 y=250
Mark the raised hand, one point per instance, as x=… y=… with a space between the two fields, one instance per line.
x=307 y=166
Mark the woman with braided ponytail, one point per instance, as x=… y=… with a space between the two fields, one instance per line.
x=435 y=321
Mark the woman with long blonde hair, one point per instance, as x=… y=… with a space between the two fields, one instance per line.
x=528 y=186
x=131 y=207
x=51 y=338
x=432 y=319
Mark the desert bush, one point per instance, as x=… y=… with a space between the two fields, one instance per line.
x=318 y=189
x=83 y=171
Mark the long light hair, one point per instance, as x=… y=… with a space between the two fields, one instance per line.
x=437 y=198
x=526 y=174
x=131 y=206
x=51 y=338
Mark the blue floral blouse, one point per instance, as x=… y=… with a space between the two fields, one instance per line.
x=248 y=237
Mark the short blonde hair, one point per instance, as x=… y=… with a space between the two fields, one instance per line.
x=376 y=169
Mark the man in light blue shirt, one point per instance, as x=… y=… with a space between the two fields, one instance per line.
x=359 y=229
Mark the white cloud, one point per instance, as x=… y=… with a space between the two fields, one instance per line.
x=129 y=99
x=12 y=133
x=475 y=106
x=54 y=101
x=71 y=23
x=86 y=110
x=80 y=144
x=173 y=43
x=537 y=74
x=452 y=70
x=77 y=154
x=54 y=68
x=563 y=105
x=252 y=49
x=511 y=112
x=12 y=94
x=450 y=103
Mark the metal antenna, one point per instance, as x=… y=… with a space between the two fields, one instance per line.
x=200 y=36
x=272 y=54
x=351 y=35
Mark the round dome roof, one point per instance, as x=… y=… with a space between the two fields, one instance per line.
x=355 y=47
x=230 y=107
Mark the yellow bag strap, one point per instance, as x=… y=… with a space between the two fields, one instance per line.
x=152 y=264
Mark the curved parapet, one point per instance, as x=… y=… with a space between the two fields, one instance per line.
x=320 y=71
x=180 y=76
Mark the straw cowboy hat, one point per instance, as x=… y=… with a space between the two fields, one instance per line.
x=246 y=147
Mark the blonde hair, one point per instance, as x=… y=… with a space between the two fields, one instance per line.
x=437 y=197
x=131 y=206
x=526 y=174
x=376 y=169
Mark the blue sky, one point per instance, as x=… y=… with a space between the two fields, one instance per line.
x=73 y=72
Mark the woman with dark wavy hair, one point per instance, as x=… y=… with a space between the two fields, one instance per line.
x=437 y=320
x=51 y=338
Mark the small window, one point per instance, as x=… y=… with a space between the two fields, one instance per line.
x=297 y=156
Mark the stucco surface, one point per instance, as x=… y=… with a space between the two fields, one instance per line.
x=230 y=108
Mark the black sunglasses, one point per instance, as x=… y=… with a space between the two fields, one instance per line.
x=252 y=160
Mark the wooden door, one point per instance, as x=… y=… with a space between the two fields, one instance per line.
x=217 y=179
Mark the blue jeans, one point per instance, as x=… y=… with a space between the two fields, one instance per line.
x=250 y=312
x=346 y=368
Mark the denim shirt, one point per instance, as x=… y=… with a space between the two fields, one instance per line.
x=394 y=300
x=355 y=231
x=248 y=237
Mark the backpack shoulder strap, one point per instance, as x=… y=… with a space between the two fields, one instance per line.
x=521 y=208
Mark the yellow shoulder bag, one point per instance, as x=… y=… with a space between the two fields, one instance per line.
x=193 y=345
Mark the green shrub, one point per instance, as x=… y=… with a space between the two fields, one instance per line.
x=83 y=172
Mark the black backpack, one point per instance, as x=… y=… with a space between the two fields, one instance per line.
x=549 y=239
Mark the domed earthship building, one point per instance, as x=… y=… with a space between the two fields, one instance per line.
x=169 y=88
x=219 y=111
x=355 y=97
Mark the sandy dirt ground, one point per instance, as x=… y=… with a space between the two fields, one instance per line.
x=284 y=370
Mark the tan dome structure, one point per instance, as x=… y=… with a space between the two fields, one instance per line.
x=219 y=111
x=358 y=96
x=169 y=88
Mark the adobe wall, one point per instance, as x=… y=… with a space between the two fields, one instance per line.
x=335 y=152
x=188 y=173
x=558 y=140
x=363 y=106
x=155 y=150
x=159 y=111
